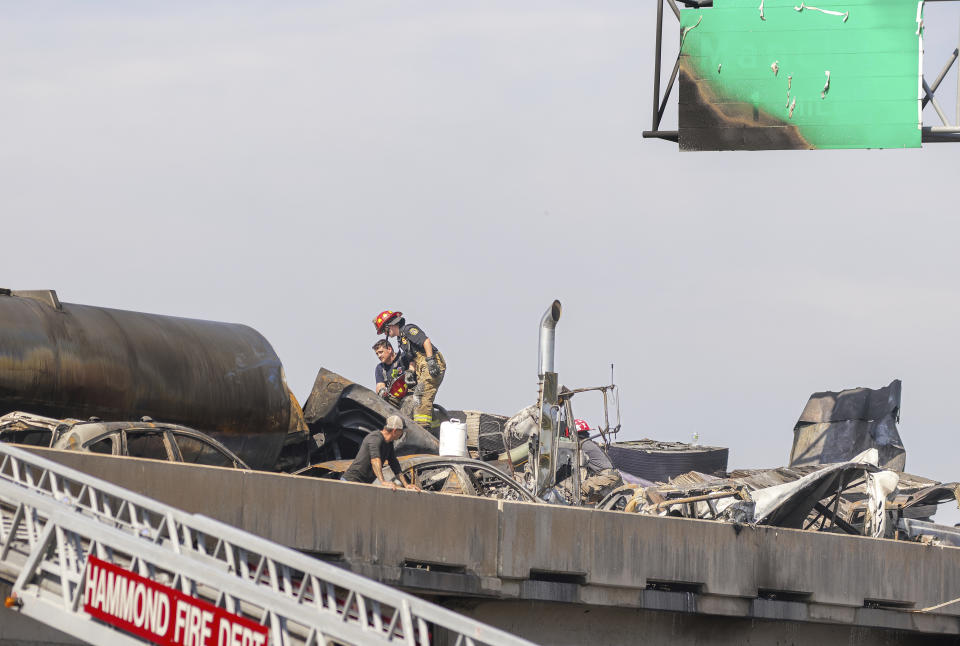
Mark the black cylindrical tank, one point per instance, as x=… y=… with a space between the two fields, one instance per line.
x=66 y=360
x=659 y=461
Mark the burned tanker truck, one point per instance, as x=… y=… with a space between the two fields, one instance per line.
x=63 y=360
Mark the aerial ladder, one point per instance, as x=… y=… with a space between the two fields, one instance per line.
x=109 y=566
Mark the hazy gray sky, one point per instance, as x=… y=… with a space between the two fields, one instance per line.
x=300 y=167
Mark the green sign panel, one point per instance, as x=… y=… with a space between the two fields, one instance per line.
x=779 y=74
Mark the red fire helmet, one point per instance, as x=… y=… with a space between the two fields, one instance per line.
x=385 y=318
x=582 y=426
x=399 y=388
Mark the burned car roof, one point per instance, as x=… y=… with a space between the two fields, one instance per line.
x=19 y=427
x=177 y=444
x=72 y=434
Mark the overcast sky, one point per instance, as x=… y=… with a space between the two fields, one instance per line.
x=300 y=167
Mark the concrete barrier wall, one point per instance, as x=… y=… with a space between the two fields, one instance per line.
x=559 y=624
x=358 y=522
x=616 y=549
x=605 y=558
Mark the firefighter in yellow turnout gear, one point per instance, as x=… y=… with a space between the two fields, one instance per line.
x=426 y=361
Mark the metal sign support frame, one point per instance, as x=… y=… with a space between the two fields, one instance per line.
x=945 y=132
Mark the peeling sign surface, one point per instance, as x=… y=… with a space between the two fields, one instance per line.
x=851 y=75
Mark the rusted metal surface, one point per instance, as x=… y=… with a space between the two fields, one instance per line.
x=462 y=476
x=702 y=497
x=66 y=360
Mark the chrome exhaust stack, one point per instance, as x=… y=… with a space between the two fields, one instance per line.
x=542 y=444
x=548 y=326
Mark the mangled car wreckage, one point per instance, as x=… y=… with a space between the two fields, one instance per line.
x=846 y=475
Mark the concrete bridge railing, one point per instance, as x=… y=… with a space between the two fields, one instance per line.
x=461 y=548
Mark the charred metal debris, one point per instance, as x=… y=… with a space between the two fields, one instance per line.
x=220 y=392
x=845 y=472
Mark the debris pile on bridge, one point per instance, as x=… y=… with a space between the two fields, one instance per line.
x=845 y=475
x=845 y=471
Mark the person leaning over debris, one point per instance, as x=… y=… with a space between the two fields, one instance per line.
x=428 y=363
x=601 y=478
x=392 y=365
x=376 y=449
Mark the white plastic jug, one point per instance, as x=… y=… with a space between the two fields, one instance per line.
x=453 y=439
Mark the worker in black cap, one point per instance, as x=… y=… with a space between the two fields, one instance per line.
x=375 y=450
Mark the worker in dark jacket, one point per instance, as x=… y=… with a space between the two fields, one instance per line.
x=428 y=363
x=392 y=365
x=601 y=478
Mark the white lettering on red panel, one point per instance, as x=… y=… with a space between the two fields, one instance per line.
x=162 y=614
